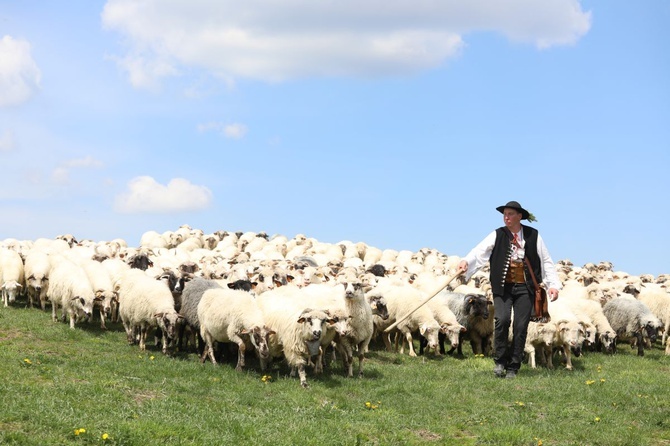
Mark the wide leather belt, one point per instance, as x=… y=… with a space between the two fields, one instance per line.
x=515 y=273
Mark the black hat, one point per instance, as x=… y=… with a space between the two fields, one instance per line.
x=514 y=205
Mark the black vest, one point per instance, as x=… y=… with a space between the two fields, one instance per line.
x=502 y=253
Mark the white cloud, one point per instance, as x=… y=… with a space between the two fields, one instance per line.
x=145 y=195
x=7 y=142
x=19 y=75
x=61 y=174
x=274 y=41
x=235 y=130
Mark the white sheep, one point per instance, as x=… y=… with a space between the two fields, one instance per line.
x=656 y=297
x=400 y=300
x=145 y=302
x=227 y=315
x=540 y=337
x=570 y=333
x=69 y=288
x=450 y=328
x=298 y=330
x=360 y=324
x=103 y=288
x=11 y=275
x=36 y=270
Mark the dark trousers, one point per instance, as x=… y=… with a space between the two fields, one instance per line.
x=515 y=297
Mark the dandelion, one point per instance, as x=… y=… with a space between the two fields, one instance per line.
x=105 y=436
x=589 y=382
x=520 y=403
x=78 y=432
x=602 y=380
x=368 y=404
x=151 y=357
x=539 y=443
x=266 y=378
x=597 y=420
x=27 y=361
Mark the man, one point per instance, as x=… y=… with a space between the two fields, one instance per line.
x=511 y=282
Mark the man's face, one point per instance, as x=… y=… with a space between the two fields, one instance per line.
x=511 y=217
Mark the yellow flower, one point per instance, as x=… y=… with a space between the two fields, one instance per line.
x=539 y=442
x=76 y=431
x=82 y=430
x=368 y=404
x=105 y=436
x=27 y=361
x=597 y=420
x=519 y=403
x=589 y=382
x=151 y=357
x=602 y=380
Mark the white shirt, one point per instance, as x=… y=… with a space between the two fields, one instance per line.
x=480 y=255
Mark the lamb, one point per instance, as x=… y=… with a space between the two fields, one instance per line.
x=298 y=330
x=145 y=302
x=233 y=316
x=540 y=336
x=472 y=311
x=630 y=317
x=69 y=288
x=400 y=300
x=12 y=276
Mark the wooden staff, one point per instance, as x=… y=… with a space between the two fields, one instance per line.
x=443 y=286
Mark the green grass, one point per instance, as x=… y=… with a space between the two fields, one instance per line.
x=55 y=380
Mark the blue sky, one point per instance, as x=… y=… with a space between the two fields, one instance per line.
x=400 y=124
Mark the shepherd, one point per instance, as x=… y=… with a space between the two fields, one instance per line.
x=518 y=258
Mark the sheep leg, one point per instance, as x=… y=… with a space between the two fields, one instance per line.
x=73 y=318
x=530 y=349
x=549 y=356
x=240 y=355
x=568 y=357
x=410 y=342
x=387 y=341
x=303 y=375
x=361 y=356
x=102 y=319
x=640 y=344
x=54 y=312
x=143 y=338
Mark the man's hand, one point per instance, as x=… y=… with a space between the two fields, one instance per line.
x=462 y=267
x=553 y=294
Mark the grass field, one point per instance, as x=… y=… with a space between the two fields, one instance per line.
x=86 y=386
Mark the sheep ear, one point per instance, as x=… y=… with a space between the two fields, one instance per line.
x=422 y=329
x=230 y=285
x=159 y=315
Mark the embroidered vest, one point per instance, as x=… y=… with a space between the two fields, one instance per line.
x=502 y=253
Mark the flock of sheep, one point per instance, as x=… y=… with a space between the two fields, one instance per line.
x=309 y=302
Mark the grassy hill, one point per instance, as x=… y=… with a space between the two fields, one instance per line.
x=87 y=386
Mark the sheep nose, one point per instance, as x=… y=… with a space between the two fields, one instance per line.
x=316 y=333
